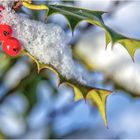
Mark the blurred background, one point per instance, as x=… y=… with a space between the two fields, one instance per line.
x=31 y=105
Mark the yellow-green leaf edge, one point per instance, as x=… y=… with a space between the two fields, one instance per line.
x=97 y=96
x=80 y=91
x=130 y=44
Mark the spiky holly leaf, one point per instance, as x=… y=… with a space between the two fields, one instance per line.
x=80 y=91
x=95 y=95
x=130 y=44
x=75 y=15
x=99 y=97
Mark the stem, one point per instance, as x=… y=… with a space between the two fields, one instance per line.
x=34 y=7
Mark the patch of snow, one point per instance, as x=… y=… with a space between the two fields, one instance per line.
x=46 y=42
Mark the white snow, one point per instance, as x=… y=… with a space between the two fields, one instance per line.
x=46 y=42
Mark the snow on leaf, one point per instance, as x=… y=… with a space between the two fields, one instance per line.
x=130 y=44
x=66 y=70
x=74 y=15
x=42 y=66
x=98 y=96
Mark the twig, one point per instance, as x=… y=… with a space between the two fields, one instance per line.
x=18 y=4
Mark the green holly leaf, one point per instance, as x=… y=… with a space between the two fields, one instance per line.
x=75 y=15
x=97 y=96
x=130 y=44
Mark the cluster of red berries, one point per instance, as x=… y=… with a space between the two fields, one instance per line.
x=10 y=45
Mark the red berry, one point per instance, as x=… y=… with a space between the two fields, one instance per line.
x=5 y=32
x=1 y=8
x=11 y=46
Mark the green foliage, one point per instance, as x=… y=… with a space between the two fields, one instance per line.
x=131 y=45
x=75 y=15
x=95 y=95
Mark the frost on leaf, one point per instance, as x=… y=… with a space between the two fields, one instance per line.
x=47 y=46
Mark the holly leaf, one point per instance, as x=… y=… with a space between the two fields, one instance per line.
x=130 y=44
x=99 y=97
x=75 y=15
x=96 y=95
x=77 y=93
